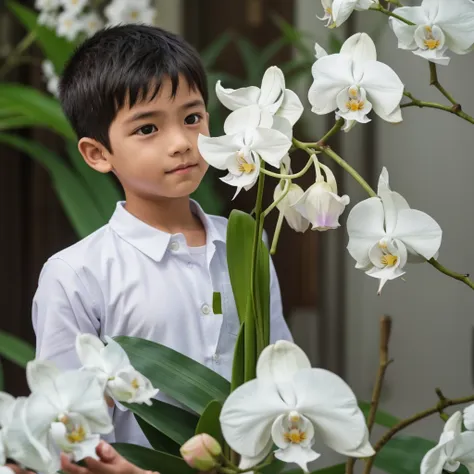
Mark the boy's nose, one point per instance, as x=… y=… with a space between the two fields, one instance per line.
x=179 y=144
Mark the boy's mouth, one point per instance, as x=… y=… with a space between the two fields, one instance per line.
x=183 y=168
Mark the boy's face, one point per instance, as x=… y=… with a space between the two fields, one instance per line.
x=155 y=153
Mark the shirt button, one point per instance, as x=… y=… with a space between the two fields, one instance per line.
x=216 y=358
x=174 y=246
x=205 y=309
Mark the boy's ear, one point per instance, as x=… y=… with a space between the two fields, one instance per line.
x=95 y=154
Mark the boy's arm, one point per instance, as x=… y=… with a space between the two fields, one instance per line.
x=278 y=327
x=62 y=308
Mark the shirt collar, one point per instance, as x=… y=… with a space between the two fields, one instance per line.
x=151 y=241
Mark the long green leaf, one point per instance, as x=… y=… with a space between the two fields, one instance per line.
x=212 y=51
x=238 y=363
x=75 y=198
x=157 y=439
x=102 y=187
x=151 y=460
x=403 y=454
x=251 y=59
x=382 y=418
x=176 y=423
x=263 y=291
x=57 y=50
x=175 y=374
x=15 y=349
x=28 y=102
x=209 y=422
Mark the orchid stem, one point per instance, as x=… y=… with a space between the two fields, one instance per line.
x=434 y=82
x=439 y=407
x=457 y=276
x=276 y=235
x=381 y=9
x=277 y=201
x=289 y=176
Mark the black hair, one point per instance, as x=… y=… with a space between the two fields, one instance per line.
x=119 y=64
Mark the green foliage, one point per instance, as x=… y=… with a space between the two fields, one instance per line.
x=56 y=49
x=151 y=460
x=175 y=374
x=15 y=349
x=209 y=421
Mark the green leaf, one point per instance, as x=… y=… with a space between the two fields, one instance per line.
x=38 y=108
x=403 y=454
x=213 y=50
x=157 y=439
x=77 y=203
x=15 y=349
x=57 y=50
x=176 y=423
x=263 y=291
x=251 y=59
x=18 y=121
x=382 y=418
x=216 y=303
x=209 y=421
x=175 y=374
x=102 y=187
x=272 y=49
x=151 y=460
x=238 y=363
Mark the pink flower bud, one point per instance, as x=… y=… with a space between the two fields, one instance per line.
x=201 y=452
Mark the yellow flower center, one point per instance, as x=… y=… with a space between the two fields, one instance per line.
x=389 y=260
x=382 y=245
x=354 y=105
x=244 y=165
x=78 y=435
x=328 y=10
x=295 y=436
x=135 y=384
x=430 y=42
x=134 y=14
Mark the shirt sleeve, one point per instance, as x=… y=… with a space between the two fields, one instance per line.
x=278 y=328
x=62 y=308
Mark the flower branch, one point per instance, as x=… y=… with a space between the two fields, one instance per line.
x=379 y=8
x=435 y=82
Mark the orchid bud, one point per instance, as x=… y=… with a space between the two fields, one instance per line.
x=201 y=452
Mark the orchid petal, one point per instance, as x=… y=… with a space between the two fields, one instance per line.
x=7 y=402
x=420 y=231
x=463 y=449
x=406 y=33
x=293 y=218
x=217 y=151
x=271 y=145
x=319 y=51
x=234 y=99
x=469 y=417
x=282 y=125
x=332 y=409
x=365 y=226
x=272 y=89
x=341 y=10
x=360 y=47
x=297 y=454
x=89 y=349
x=454 y=423
x=433 y=55
x=278 y=433
x=331 y=74
x=114 y=357
x=384 y=88
x=248 y=414
x=247 y=461
x=433 y=461
x=393 y=203
x=41 y=374
x=248 y=117
x=280 y=361
x=291 y=108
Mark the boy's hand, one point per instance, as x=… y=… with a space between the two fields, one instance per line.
x=17 y=469
x=110 y=462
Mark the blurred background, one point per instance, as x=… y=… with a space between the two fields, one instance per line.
x=50 y=199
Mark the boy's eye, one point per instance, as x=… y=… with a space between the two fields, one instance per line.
x=192 y=119
x=146 y=130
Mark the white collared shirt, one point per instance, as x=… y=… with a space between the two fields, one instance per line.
x=130 y=279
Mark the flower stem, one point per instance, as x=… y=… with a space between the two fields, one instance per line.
x=322 y=141
x=438 y=408
x=395 y=2
x=457 y=276
x=381 y=9
x=289 y=176
x=433 y=105
x=14 y=57
x=277 y=201
x=434 y=82
x=276 y=235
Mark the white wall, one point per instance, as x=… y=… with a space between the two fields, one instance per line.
x=430 y=159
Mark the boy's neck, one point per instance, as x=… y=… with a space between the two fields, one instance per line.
x=173 y=216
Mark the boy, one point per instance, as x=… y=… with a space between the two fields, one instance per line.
x=136 y=97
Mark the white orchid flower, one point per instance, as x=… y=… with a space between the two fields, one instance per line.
x=91 y=23
x=122 y=11
x=294 y=219
x=291 y=405
x=468 y=417
x=385 y=234
x=454 y=448
x=319 y=51
x=73 y=399
x=271 y=97
x=73 y=6
x=110 y=363
x=438 y=26
x=336 y=12
x=353 y=83
x=7 y=403
x=320 y=204
x=67 y=25
x=240 y=150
